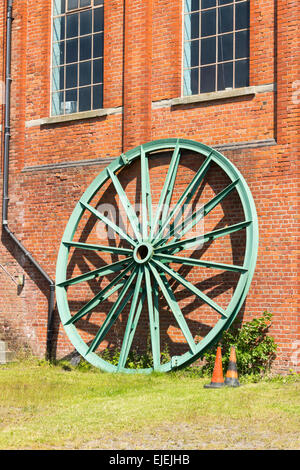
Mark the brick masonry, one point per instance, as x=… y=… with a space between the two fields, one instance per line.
x=52 y=164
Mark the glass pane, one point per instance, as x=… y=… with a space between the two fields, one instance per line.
x=242 y=15
x=208 y=23
x=59 y=7
x=72 y=51
x=195 y=81
x=72 y=4
x=57 y=103
x=242 y=73
x=85 y=22
x=225 y=76
x=58 y=53
x=84 y=3
x=59 y=29
x=242 y=44
x=208 y=79
x=98 y=71
x=191 y=54
x=98 y=45
x=225 y=47
x=71 y=76
x=85 y=98
x=192 y=5
x=72 y=25
x=226 y=19
x=71 y=102
x=86 y=48
x=58 y=78
x=98 y=20
x=85 y=73
x=208 y=51
x=98 y=2
x=208 y=3
x=97 y=97
x=224 y=2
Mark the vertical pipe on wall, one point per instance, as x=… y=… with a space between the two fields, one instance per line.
x=5 y=197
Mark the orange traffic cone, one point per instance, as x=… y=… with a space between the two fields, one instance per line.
x=217 y=380
x=231 y=378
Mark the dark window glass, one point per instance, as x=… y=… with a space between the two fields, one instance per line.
x=194 y=53
x=208 y=51
x=85 y=48
x=98 y=2
x=86 y=22
x=224 y=2
x=226 y=19
x=242 y=15
x=85 y=98
x=195 y=26
x=71 y=50
x=98 y=45
x=85 y=3
x=71 y=76
x=208 y=23
x=97 y=96
x=72 y=25
x=59 y=29
x=71 y=102
x=208 y=79
x=208 y=3
x=242 y=73
x=98 y=20
x=242 y=44
x=225 y=47
x=225 y=75
x=85 y=73
x=195 y=81
x=98 y=71
x=72 y=4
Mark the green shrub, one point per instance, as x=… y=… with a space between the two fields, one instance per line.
x=255 y=351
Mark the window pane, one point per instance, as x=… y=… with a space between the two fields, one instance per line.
x=85 y=22
x=225 y=47
x=208 y=3
x=242 y=15
x=72 y=25
x=191 y=54
x=97 y=96
x=71 y=50
x=98 y=45
x=208 y=23
x=71 y=76
x=72 y=4
x=242 y=73
x=58 y=103
x=208 y=51
x=85 y=98
x=226 y=19
x=58 y=53
x=84 y=3
x=86 y=48
x=98 y=71
x=224 y=2
x=59 y=29
x=58 y=78
x=242 y=44
x=98 y=19
x=98 y=2
x=85 y=73
x=71 y=102
x=59 y=7
x=192 y=5
x=225 y=76
x=208 y=79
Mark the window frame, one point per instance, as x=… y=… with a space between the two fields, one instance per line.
x=92 y=59
x=217 y=34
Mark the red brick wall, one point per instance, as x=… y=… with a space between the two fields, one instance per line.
x=143 y=67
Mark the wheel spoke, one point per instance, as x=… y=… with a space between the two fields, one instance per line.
x=101 y=296
x=108 y=222
x=200 y=213
x=100 y=272
x=166 y=188
x=133 y=310
x=190 y=242
x=195 y=262
x=175 y=309
x=153 y=320
x=191 y=288
x=146 y=195
x=113 y=314
x=105 y=249
x=126 y=204
x=185 y=197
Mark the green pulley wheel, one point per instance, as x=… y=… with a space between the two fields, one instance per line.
x=146 y=273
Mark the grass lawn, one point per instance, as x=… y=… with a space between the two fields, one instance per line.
x=47 y=407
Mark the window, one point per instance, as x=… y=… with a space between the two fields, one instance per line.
x=77 y=56
x=216 y=45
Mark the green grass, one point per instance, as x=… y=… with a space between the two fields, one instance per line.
x=47 y=407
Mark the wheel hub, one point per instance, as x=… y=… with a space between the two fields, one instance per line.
x=143 y=253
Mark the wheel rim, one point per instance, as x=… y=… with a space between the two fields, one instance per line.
x=143 y=275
